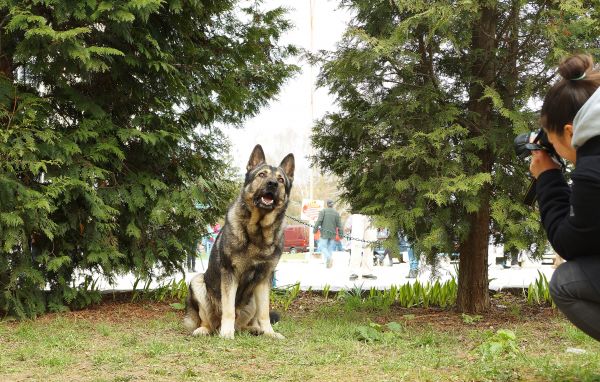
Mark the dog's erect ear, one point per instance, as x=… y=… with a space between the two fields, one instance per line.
x=288 y=165
x=257 y=157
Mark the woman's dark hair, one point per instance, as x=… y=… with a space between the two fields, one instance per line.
x=564 y=99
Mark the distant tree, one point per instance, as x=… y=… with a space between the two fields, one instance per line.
x=431 y=96
x=110 y=160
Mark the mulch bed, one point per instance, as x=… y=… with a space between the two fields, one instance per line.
x=505 y=308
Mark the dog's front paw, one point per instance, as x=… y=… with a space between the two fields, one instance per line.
x=201 y=331
x=274 y=335
x=227 y=333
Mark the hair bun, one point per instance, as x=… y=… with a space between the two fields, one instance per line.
x=575 y=67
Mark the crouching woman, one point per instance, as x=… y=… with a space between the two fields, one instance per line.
x=571 y=215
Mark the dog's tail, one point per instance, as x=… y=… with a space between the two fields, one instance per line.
x=274 y=316
x=191 y=321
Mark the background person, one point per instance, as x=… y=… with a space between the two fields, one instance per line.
x=413 y=261
x=362 y=234
x=511 y=258
x=329 y=223
x=209 y=239
x=191 y=261
x=571 y=118
x=380 y=252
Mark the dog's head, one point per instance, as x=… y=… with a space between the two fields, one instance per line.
x=267 y=187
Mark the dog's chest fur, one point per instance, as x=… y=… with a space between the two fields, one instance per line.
x=257 y=238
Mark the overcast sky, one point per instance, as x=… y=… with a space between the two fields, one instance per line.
x=284 y=125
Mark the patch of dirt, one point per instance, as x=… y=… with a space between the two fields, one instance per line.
x=306 y=303
x=117 y=309
x=505 y=308
x=451 y=319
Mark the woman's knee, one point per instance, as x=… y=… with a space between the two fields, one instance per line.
x=564 y=274
x=568 y=281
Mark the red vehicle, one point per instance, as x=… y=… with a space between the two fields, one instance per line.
x=295 y=238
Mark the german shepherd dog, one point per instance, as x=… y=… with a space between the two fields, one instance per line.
x=233 y=293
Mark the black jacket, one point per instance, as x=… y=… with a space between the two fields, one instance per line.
x=571 y=216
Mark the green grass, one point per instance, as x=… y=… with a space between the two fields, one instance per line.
x=145 y=342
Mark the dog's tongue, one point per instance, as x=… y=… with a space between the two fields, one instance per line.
x=267 y=199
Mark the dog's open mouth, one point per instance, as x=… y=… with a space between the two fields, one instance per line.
x=267 y=200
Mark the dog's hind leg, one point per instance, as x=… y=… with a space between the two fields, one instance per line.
x=246 y=319
x=201 y=331
x=196 y=319
x=206 y=326
x=191 y=321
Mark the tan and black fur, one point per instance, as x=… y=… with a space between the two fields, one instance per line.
x=233 y=293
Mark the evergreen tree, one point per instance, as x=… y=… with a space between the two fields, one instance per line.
x=110 y=160
x=431 y=95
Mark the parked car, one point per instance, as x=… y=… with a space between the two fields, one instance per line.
x=295 y=238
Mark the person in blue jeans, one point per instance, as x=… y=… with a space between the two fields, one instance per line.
x=330 y=224
x=413 y=261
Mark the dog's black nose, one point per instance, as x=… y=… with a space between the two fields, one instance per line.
x=272 y=184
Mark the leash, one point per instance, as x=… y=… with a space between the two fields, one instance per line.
x=328 y=231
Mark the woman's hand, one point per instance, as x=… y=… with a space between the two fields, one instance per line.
x=540 y=162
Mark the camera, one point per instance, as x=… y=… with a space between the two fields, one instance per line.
x=527 y=142
x=538 y=140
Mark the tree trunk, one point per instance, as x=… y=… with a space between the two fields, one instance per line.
x=6 y=60
x=473 y=285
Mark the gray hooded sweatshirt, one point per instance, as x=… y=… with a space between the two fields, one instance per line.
x=586 y=124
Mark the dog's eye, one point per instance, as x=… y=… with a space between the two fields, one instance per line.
x=262 y=174
x=280 y=180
